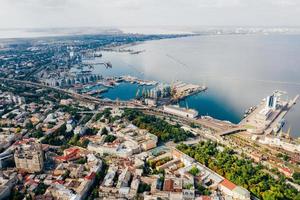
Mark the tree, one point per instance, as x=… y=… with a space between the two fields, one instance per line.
x=110 y=138
x=296 y=177
x=144 y=187
x=157 y=126
x=81 y=161
x=194 y=171
x=84 y=143
x=74 y=139
x=241 y=171
x=29 y=125
x=41 y=189
x=104 y=131
x=16 y=195
x=38 y=133
x=202 y=190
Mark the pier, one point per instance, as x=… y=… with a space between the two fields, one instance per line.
x=182 y=90
x=264 y=119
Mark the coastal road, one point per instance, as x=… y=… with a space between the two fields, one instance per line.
x=216 y=125
x=71 y=93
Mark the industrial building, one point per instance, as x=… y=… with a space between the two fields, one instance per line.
x=182 y=112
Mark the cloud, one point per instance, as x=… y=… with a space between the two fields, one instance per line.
x=285 y=2
x=70 y=13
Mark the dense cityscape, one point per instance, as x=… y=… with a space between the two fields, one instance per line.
x=60 y=140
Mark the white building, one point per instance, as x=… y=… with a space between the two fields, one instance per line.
x=123 y=150
x=109 y=177
x=182 y=112
x=61 y=192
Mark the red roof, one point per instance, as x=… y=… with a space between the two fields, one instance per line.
x=168 y=185
x=59 y=182
x=286 y=170
x=61 y=158
x=70 y=154
x=72 y=150
x=30 y=182
x=27 y=178
x=206 y=198
x=228 y=184
x=67 y=158
x=91 y=176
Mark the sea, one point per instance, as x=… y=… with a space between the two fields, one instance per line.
x=239 y=71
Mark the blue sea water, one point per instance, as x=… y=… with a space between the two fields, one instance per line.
x=124 y=91
x=239 y=71
x=208 y=106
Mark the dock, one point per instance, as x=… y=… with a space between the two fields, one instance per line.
x=264 y=120
x=183 y=90
x=133 y=79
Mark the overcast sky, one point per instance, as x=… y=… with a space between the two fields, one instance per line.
x=116 y=13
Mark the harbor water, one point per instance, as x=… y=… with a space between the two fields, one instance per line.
x=239 y=71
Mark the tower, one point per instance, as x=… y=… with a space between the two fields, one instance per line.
x=271 y=102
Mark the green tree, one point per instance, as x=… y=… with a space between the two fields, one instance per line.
x=194 y=171
x=104 y=131
x=110 y=138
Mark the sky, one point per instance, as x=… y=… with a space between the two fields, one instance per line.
x=124 y=13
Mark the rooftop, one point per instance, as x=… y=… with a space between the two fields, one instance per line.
x=228 y=184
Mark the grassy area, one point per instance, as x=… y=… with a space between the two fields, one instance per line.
x=248 y=126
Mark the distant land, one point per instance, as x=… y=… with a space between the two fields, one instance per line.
x=202 y=30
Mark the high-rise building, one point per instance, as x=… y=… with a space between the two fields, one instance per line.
x=29 y=156
x=271 y=102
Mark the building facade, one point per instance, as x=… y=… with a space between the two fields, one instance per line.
x=29 y=157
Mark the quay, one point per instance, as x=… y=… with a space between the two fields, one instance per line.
x=133 y=79
x=268 y=115
x=183 y=90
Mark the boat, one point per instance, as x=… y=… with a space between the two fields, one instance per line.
x=250 y=110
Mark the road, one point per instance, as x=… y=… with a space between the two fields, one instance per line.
x=216 y=125
x=71 y=93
